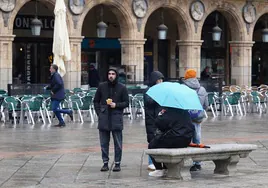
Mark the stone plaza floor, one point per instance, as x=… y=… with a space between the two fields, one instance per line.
x=43 y=156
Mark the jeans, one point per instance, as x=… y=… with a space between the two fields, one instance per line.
x=105 y=142
x=56 y=109
x=150 y=160
x=197 y=137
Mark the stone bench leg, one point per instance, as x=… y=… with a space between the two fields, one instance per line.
x=178 y=171
x=226 y=166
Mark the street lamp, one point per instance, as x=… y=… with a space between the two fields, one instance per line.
x=162 y=29
x=36 y=24
x=216 y=31
x=101 y=26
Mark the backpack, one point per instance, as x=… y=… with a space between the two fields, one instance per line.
x=197 y=115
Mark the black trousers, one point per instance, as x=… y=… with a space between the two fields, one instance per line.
x=105 y=142
x=178 y=142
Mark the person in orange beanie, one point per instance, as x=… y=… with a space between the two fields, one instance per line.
x=190 y=73
x=197 y=116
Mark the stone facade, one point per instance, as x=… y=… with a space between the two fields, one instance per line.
x=132 y=36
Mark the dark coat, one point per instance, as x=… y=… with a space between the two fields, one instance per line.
x=111 y=119
x=93 y=78
x=151 y=107
x=175 y=125
x=57 y=87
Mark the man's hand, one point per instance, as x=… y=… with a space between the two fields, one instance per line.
x=113 y=105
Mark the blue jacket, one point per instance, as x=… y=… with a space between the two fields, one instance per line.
x=57 y=87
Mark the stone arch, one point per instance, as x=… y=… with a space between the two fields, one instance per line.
x=258 y=17
x=183 y=21
x=119 y=9
x=49 y=3
x=231 y=14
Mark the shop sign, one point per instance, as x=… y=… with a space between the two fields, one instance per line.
x=96 y=43
x=24 y=22
x=28 y=63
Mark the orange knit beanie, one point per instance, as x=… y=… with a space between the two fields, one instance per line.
x=190 y=73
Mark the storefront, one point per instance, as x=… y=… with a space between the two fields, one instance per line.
x=32 y=55
x=102 y=53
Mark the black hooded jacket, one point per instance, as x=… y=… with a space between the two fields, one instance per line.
x=176 y=127
x=111 y=119
x=151 y=107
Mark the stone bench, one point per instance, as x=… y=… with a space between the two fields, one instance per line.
x=178 y=161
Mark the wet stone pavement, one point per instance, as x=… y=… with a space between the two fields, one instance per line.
x=43 y=156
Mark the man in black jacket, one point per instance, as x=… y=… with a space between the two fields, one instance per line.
x=110 y=100
x=152 y=109
x=175 y=131
x=57 y=95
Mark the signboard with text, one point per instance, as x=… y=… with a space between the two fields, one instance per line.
x=24 y=22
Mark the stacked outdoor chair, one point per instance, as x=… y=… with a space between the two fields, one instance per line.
x=35 y=109
x=128 y=110
x=88 y=107
x=12 y=106
x=257 y=102
x=232 y=102
x=212 y=104
x=76 y=103
x=138 y=105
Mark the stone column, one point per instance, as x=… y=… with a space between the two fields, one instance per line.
x=189 y=56
x=6 y=52
x=132 y=53
x=72 y=78
x=241 y=57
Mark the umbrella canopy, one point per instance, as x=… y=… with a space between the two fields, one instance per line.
x=61 y=44
x=175 y=95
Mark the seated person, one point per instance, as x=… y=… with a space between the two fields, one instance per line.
x=175 y=130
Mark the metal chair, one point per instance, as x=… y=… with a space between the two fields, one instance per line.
x=13 y=106
x=212 y=104
x=76 y=104
x=35 y=106
x=138 y=105
x=233 y=100
x=87 y=106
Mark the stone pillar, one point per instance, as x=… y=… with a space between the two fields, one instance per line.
x=132 y=53
x=6 y=52
x=241 y=57
x=72 y=78
x=189 y=56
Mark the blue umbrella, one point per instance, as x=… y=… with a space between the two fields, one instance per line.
x=175 y=95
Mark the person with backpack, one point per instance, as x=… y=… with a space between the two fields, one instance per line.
x=197 y=116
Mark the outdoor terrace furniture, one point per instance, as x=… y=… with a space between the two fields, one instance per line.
x=178 y=161
x=233 y=100
x=212 y=104
x=13 y=106
x=138 y=105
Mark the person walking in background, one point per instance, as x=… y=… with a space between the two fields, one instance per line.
x=110 y=100
x=93 y=76
x=192 y=82
x=57 y=95
x=152 y=109
x=205 y=74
